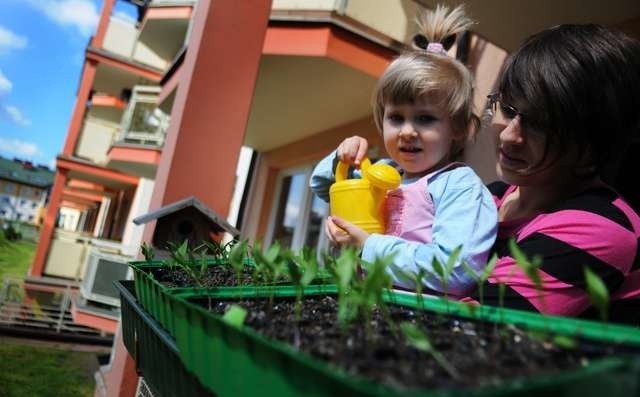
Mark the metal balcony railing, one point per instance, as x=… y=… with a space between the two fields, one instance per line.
x=143 y=122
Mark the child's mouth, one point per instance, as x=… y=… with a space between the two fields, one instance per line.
x=410 y=149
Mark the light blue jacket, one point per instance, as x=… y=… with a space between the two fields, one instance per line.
x=465 y=215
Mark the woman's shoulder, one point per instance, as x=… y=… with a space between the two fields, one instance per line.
x=600 y=203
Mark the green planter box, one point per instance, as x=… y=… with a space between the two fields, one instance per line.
x=154 y=351
x=154 y=296
x=241 y=362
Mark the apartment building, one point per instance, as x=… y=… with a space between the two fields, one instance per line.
x=24 y=188
x=233 y=102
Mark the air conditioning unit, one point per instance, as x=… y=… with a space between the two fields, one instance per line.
x=101 y=270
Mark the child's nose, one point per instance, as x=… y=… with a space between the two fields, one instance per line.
x=512 y=133
x=407 y=131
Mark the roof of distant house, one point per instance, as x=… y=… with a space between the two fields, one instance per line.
x=25 y=172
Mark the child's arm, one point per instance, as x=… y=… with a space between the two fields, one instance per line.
x=351 y=151
x=323 y=176
x=465 y=214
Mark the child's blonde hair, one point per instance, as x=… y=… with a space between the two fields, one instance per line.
x=432 y=76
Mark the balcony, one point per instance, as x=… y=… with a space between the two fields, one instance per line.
x=143 y=123
x=165 y=28
x=121 y=39
x=137 y=146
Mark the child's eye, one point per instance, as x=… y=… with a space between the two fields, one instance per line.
x=425 y=119
x=395 y=118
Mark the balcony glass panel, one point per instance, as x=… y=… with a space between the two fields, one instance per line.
x=143 y=123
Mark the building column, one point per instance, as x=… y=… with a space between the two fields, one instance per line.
x=209 y=116
x=80 y=107
x=212 y=105
x=49 y=224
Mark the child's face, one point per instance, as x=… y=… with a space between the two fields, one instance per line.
x=417 y=136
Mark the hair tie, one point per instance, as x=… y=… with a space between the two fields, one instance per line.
x=436 y=48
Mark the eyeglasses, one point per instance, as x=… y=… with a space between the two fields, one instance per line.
x=500 y=112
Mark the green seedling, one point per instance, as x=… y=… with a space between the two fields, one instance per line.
x=358 y=296
x=184 y=259
x=529 y=266
x=531 y=269
x=412 y=278
x=369 y=291
x=147 y=252
x=236 y=259
x=564 y=341
x=220 y=251
x=598 y=293
x=419 y=340
x=444 y=272
x=235 y=316
x=561 y=341
x=270 y=266
x=302 y=271
x=483 y=276
x=343 y=270
x=502 y=290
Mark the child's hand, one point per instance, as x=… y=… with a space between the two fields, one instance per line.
x=352 y=150
x=343 y=233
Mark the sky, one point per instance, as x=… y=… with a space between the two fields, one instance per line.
x=42 y=44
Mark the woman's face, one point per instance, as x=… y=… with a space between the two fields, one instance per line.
x=521 y=157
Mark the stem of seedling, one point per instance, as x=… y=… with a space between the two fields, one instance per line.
x=419 y=340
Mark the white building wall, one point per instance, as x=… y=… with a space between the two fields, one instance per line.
x=132 y=236
x=69 y=218
x=19 y=207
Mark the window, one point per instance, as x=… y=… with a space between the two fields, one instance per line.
x=34 y=205
x=9 y=187
x=297 y=217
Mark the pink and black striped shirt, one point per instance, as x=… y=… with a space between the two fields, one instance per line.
x=595 y=228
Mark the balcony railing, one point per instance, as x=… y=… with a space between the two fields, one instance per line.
x=143 y=122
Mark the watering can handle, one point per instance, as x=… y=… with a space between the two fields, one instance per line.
x=343 y=168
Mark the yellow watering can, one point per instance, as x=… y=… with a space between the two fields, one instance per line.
x=360 y=201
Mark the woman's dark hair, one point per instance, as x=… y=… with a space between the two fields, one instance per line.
x=579 y=85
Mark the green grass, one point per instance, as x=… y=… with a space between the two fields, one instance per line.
x=15 y=258
x=32 y=371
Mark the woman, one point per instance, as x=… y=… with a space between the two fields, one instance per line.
x=566 y=106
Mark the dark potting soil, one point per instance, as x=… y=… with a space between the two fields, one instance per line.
x=481 y=353
x=216 y=276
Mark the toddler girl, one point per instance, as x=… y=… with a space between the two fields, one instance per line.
x=423 y=109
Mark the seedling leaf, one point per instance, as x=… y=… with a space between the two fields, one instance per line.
x=235 y=316
x=598 y=292
x=415 y=337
